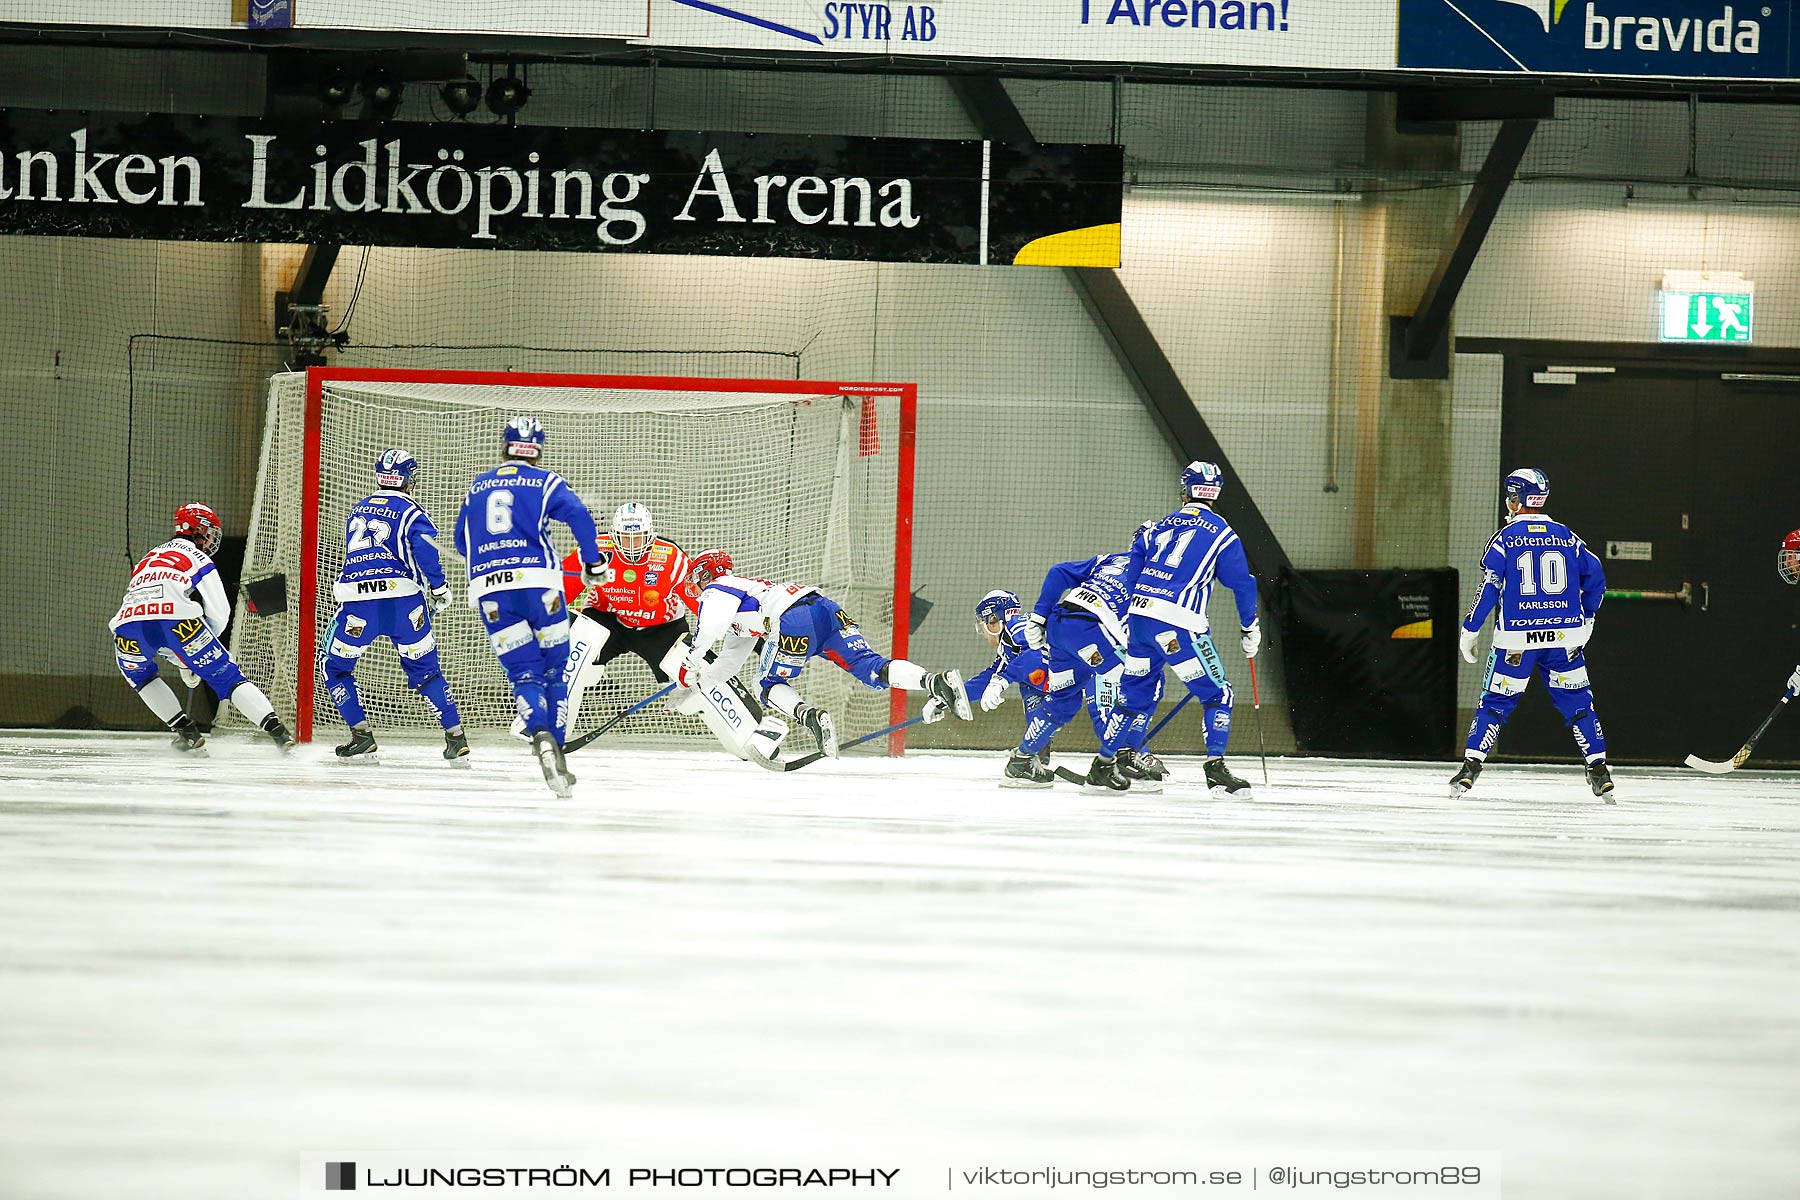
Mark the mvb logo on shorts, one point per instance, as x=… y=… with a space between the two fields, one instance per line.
x=340 y=1177
x=1680 y=38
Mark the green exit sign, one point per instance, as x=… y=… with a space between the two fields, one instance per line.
x=1705 y=316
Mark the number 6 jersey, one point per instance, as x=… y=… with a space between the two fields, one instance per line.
x=503 y=529
x=1542 y=583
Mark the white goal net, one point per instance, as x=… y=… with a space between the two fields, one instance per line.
x=800 y=481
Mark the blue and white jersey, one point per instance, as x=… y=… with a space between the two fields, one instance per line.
x=1179 y=558
x=503 y=529
x=1014 y=661
x=390 y=549
x=1100 y=585
x=1542 y=583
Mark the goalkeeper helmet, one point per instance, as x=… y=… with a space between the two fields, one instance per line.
x=524 y=438
x=992 y=610
x=395 y=469
x=200 y=524
x=1528 y=487
x=633 y=530
x=1202 y=481
x=707 y=566
x=1787 y=561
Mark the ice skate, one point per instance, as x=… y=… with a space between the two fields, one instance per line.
x=1144 y=769
x=1219 y=777
x=948 y=689
x=1464 y=779
x=362 y=741
x=1104 y=776
x=278 y=733
x=1025 y=771
x=456 y=745
x=818 y=723
x=188 y=737
x=1600 y=780
x=550 y=760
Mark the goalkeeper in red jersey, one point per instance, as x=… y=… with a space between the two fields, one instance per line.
x=640 y=606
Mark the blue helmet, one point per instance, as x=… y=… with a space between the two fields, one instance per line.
x=1202 y=481
x=524 y=437
x=1529 y=487
x=395 y=469
x=995 y=606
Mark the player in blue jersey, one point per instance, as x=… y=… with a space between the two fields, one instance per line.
x=1079 y=621
x=175 y=608
x=1543 y=586
x=516 y=581
x=1787 y=565
x=1179 y=558
x=1000 y=617
x=390 y=558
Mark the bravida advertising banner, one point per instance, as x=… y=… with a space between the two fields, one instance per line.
x=392 y=184
x=1699 y=39
x=1343 y=34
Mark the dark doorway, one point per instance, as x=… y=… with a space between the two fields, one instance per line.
x=1679 y=475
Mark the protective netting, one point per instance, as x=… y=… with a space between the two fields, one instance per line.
x=1268 y=235
x=799 y=486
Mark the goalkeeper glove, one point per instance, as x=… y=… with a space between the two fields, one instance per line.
x=994 y=694
x=440 y=599
x=1034 y=631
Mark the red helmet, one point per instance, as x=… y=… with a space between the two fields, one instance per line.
x=711 y=563
x=1787 y=559
x=200 y=523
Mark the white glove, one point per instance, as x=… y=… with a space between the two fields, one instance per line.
x=193 y=681
x=1794 y=681
x=935 y=711
x=687 y=675
x=1465 y=642
x=593 y=573
x=440 y=599
x=1034 y=631
x=1252 y=639
x=994 y=694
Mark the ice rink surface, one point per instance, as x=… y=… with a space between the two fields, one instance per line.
x=213 y=970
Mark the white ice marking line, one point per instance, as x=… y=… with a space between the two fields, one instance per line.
x=1484 y=33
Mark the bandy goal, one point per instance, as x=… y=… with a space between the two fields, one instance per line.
x=799 y=480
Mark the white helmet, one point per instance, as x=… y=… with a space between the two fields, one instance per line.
x=633 y=530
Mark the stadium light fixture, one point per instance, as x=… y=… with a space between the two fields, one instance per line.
x=381 y=94
x=462 y=96
x=507 y=95
x=336 y=91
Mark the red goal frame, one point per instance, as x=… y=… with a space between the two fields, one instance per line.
x=318 y=377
